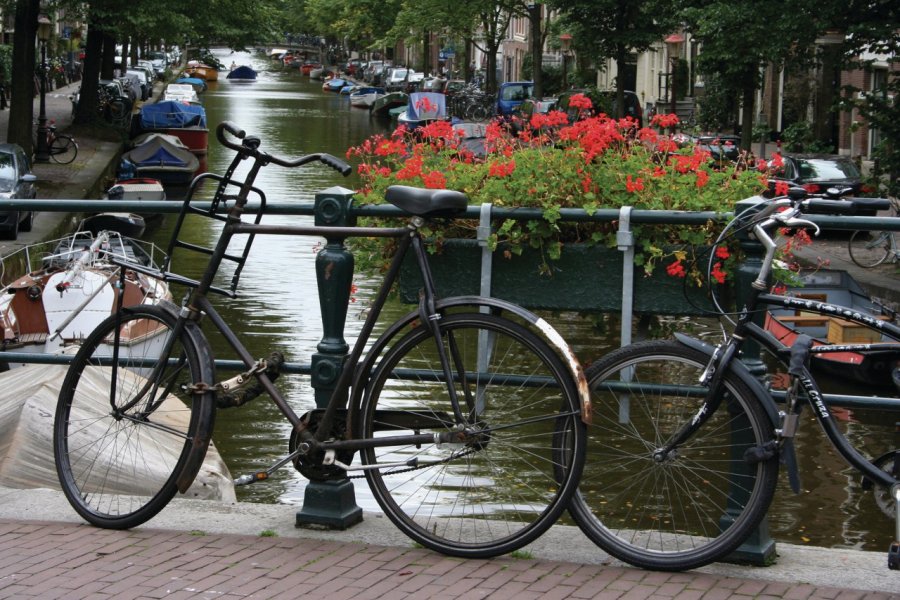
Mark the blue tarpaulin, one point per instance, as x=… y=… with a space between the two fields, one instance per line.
x=164 y=115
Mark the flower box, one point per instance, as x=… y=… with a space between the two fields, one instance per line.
x=584 y=278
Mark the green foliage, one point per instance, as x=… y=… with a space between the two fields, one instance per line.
x=799 y=137
x=5 y=63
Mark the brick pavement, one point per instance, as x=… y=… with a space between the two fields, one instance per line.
x=66 y=560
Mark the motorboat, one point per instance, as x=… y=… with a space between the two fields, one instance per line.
x=164 y=158
x=242 y=73
x=335 y=84
x=69 y=287
x=365 y=96
x=181 y=92
x=838 y=288
x=382 y=105
x=201 y=70
x=183 y=120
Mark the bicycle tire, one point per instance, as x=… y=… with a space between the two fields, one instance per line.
x=63 y=149
x=693 y=507
x=119 y=470
x=869 y=248
x=493 y=495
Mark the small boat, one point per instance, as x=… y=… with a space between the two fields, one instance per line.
x=181 y=92
x=69 y=287
x=183 y=120
x=198 y=84
x=242 y=73
x=335 y=84
x=163 y=158
x=423 y=108
x=202 y=71
x=307 y=67
x=364 y=97
x=839 y=288
x=382 y=105
x=130 y=225
x=349 y=89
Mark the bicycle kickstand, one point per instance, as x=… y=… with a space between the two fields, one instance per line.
x=894 y=551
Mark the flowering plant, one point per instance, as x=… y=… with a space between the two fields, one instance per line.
x=550 y=162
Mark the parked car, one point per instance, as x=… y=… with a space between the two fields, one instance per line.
x=511 y=94
x=722 y=147
x=144 y=78
x=16 y=181
x=397 y=79
x=817 y=173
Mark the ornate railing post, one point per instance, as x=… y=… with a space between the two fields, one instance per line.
x=759 y=548
x=331 y=503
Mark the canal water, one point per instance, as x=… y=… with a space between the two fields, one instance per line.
x=278 y=309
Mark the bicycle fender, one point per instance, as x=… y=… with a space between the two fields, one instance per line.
x=200 y=443
x=743 y=373
x=547 y=331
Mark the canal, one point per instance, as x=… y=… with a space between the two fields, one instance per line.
x=278 y=310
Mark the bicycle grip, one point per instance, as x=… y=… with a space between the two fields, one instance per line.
x=830 y=207
x=336 y=164
x=230 y=128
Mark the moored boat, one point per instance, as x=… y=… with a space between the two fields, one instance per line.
x=838 y=288
x=164 y=158
x=381 y=106
x=335 y=84
x=423 y=108
x=364 y=97
x=198 y=84
x=69 y=287
x=185 y=121
x=201 y=71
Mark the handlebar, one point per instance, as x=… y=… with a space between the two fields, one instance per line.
x=249 y=146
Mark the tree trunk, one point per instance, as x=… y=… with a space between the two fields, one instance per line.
x=108 y=61
x=537 y=49
x=21 y=109
x=88 y=97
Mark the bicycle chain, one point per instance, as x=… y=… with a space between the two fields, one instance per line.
x=408 y=469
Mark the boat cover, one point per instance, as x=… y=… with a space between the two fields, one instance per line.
x=426 y=105
x=157 y=151
x=28 y=398
x=242 y=72
x=196 y=82
x=164 y=115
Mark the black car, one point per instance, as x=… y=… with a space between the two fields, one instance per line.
x=16 y=181
x=821 y=173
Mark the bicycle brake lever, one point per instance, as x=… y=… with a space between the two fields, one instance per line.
x=801 y=224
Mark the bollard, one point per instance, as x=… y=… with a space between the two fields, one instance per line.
x=759 y=548
x=331 y=504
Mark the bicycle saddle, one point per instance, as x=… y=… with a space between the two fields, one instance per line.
x=426 y=203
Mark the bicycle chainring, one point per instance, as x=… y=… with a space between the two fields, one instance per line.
x=310 y=465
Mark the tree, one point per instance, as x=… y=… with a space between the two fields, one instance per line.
x=21 y=109
x=614 y=29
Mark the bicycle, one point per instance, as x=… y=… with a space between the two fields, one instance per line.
x=691 y=439
x=466 y=412
x=871 y=248
x=61 y=147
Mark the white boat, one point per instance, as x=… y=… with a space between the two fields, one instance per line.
x=365 y=97
x=69 y=287
x=181 y=92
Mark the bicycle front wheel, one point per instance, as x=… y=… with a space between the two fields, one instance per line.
x=870 y=248
x=63 y=149
x=698 y=503
x=122 y=437
x=516 y=453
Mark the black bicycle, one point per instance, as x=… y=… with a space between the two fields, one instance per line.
x=466 y=414
x=690 y=441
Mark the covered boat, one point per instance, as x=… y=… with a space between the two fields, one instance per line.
x=335 y=84
x=423 y=108
x=185 y=121
x=839 y=288
x=198 y=84
x=162 y=158
x=242 y=73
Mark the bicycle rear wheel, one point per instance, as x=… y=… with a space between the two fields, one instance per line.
x=499 y=488
x=120 y=451
x=689 y=508
x=63 y=149
x=870 y=248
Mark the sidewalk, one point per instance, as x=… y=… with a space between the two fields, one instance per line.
x=199 y=549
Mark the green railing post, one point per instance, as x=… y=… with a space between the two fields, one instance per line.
x=759 y=548
x=332 y=503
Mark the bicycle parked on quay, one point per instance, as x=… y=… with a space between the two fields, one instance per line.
x=466 y=413
x=871 y=248
x=61 y=147
x=691 y=440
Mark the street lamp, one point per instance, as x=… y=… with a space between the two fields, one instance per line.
x=565 y=41
x=42 y=152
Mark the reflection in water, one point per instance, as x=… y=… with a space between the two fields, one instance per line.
x=278 y=309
